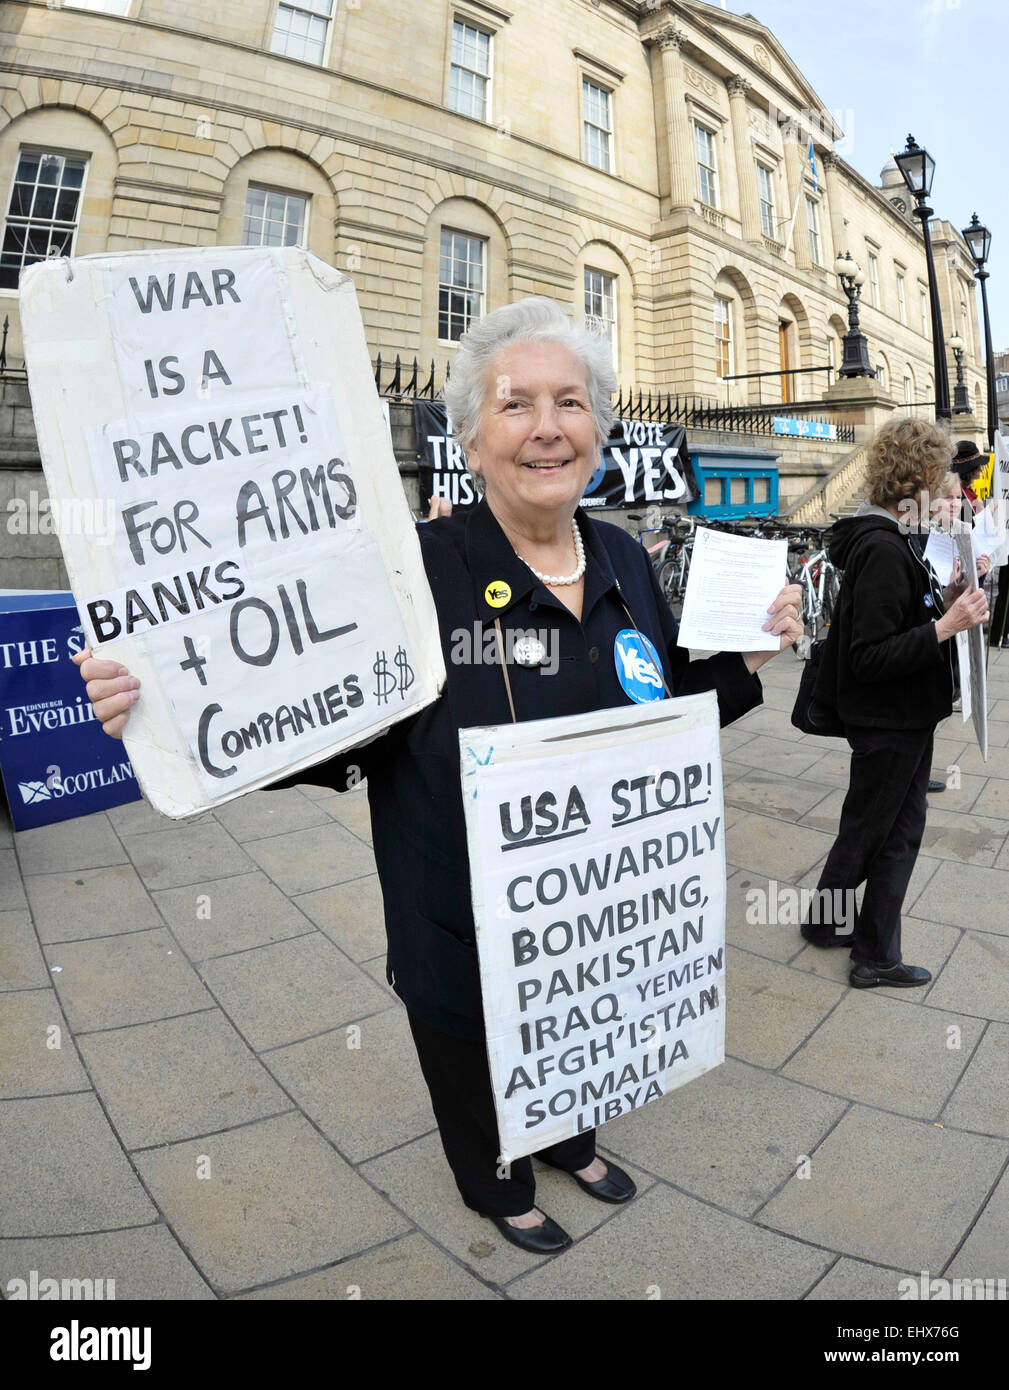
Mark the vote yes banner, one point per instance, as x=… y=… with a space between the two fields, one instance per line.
x=642 y=463
x=597 y=861
x=263 y=577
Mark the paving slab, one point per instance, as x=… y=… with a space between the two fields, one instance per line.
x=179 y=1077
x=263 y=813
x=872 y=1178
x=970 y=761
x=964 y=895
x=949 y=834
x=887 y=1053
x=221 y=915
x=37 y=1053
x=140 y=818
x=12 y=893
x=274 y=1200
x=362 y=1085
x=777 y=755
x=351 y=809
x=85 y=842
x=985 y=1252
x=751 y=905
x=315 y=858
x=144 y=1263
x=981 y=1099
x=111 y=981
x=992 y=799
x=975 y=979
x=760 y=723
x=770 y=1008
x=291 y=990
x=411 y=1267
x=732 y=1136
x=376 y=970
x=669 y=1246
x=853 y=1281
x=22 y=965
x=769 y=847
x=922 y=943
x=351 y=916
x=186 y=854
x=775 y=793
x=62 y=1171
x=90 y=902
x=417 y=1178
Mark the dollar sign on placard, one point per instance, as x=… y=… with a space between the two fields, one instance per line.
x=385 y=681
x=406 y=676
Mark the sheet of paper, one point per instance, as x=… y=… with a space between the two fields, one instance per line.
x=975 y=688
x=732 y=583
x=963 y=658
x=940 y=552
x=989 y=535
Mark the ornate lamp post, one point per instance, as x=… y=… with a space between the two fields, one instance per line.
x=917 y=167
x=856 y=349
x=978 y=238
x=961 y=402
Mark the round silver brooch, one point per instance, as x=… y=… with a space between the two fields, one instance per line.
x=530 y=651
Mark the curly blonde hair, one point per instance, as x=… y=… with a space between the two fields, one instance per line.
x=907 y=457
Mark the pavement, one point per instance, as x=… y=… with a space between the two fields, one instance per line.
x=208 y=1091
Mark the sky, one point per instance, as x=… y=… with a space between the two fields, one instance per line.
x=937 y=69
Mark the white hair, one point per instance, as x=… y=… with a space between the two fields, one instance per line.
x=532 y=320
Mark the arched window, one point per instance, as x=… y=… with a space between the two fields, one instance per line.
x=604 y=297
x=276 y=198
x=465 y=272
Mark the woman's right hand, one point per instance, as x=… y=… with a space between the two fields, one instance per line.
x=969 y=610
x=111 y=690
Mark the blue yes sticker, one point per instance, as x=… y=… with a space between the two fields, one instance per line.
x=638 y=667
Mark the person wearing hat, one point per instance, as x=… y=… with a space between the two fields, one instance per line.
x=968 y=464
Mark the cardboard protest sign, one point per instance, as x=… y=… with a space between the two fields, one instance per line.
x=597 y=860
x=973 y=694
x=642 y=462
x=263 y=578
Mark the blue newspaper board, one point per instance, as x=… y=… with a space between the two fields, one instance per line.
x=55 y=760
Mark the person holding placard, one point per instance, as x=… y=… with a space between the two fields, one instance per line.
x=575 y=608
x=890 y=677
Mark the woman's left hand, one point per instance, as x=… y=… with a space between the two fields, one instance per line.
x=784 y=621
x=983 y=565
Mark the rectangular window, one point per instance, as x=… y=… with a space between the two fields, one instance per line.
x=596 y=125
x=120 y=7
x=301 y=30
x=907 y=390
x=707 y=173
x=923 y=303
x=42 y=213
x=765 y=188
x=723 y=337
x=813 y=227
x=901 y=300
x=601 y=305
x=274 y=219
x=460 y=283
x=469 y=82
x=874 y=280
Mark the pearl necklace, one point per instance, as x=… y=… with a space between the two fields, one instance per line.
x=554 y=580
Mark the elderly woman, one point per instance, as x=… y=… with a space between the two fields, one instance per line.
x=530 y=395
x=890 y=675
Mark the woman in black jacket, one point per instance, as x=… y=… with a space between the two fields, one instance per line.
x=530 y=397
x=889 y=673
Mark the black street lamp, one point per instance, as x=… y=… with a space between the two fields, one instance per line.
x=961 y=401
x=856 y=349
x=917 y=168
x=978 y=238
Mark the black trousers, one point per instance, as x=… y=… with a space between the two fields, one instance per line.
x=1000 y=612
x=882 y=823
x=458 y=1078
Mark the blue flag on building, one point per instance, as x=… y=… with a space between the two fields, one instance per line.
x=812 y=165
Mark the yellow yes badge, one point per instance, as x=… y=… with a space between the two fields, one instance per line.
x=497 y=593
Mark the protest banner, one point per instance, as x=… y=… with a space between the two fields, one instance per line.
x=597 y=861
x=643 y=462
x=55 y=760
x=263 y=579
x=975 y=696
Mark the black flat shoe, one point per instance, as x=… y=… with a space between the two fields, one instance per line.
x=616 y=1186
x=906 y=976
x=935 y=785
x=546 y=1239
x=826 y=942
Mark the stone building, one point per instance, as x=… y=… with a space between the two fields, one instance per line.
x=664 y=168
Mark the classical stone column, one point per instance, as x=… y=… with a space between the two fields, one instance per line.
x=832 y=196
x=679 y=144
x=796 y=198
x=746 y=168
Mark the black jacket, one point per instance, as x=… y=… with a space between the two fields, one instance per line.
x=887 y=669
x=413 y=770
